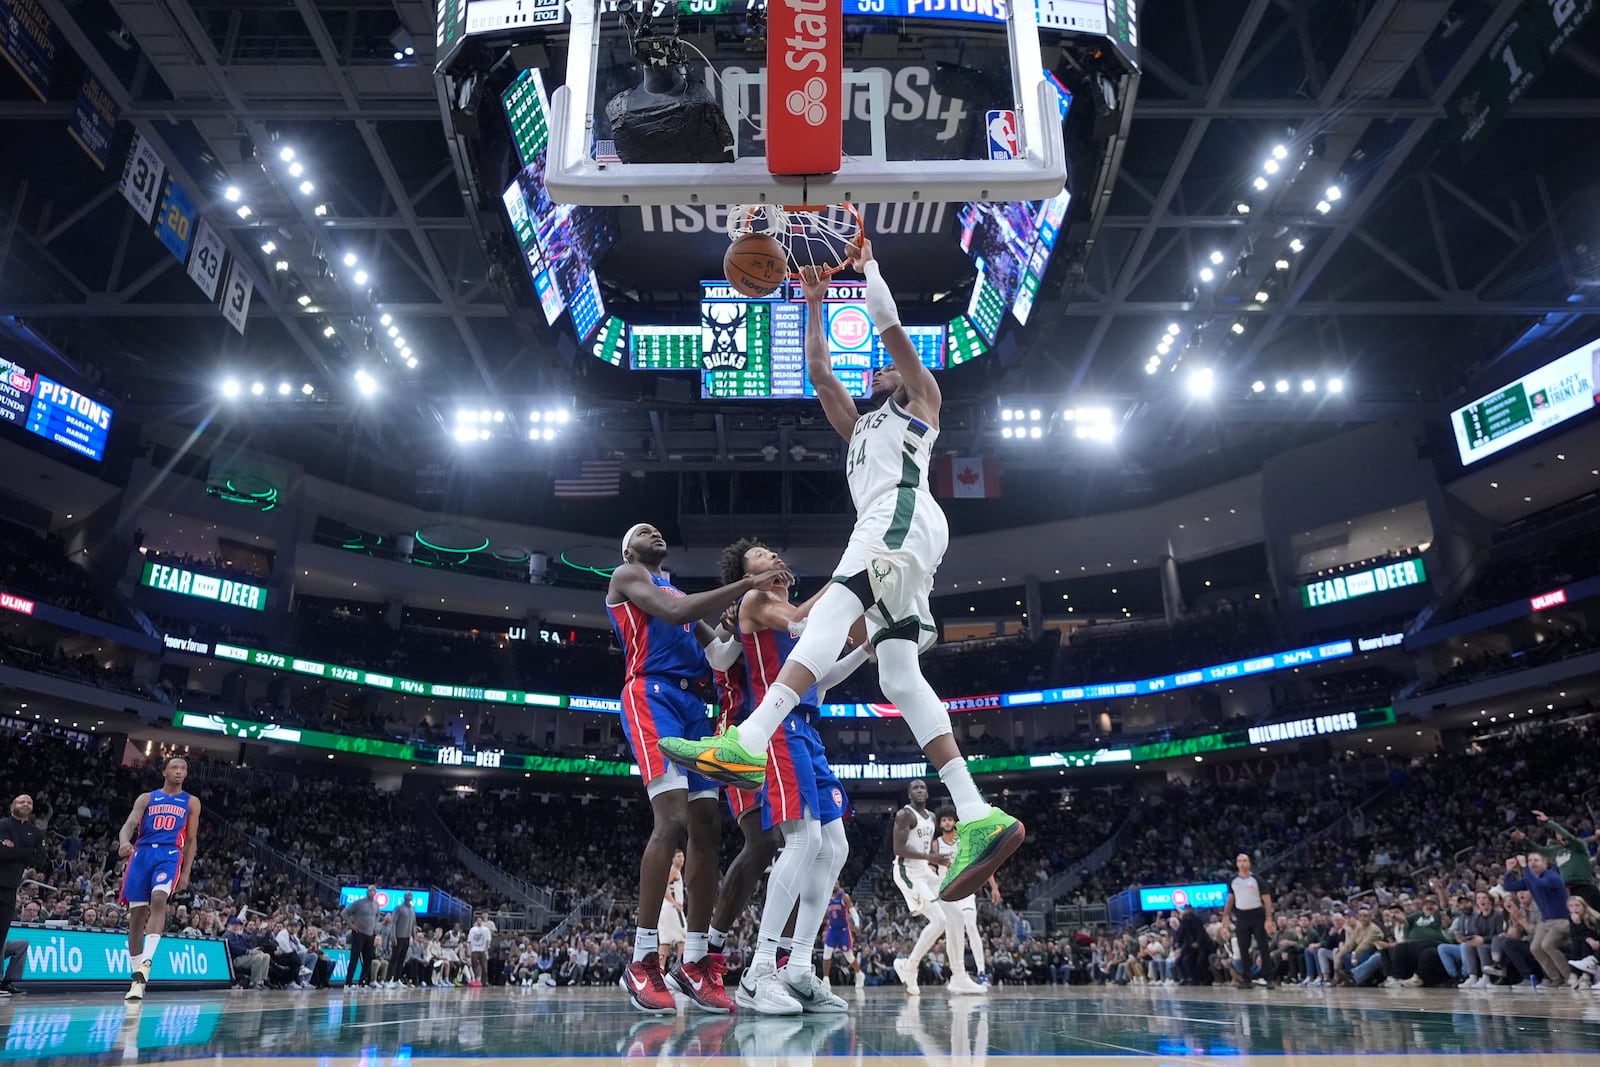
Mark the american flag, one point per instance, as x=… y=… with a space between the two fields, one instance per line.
x=595 y=478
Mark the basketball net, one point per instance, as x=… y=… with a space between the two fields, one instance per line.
x=811 y=236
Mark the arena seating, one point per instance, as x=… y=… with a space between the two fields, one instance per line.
x=38 y=567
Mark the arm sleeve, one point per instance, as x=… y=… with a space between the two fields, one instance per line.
x=723 y=652
x=880 y=302
x=841 y=669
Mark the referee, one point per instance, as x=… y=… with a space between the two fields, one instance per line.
x=1254 y=910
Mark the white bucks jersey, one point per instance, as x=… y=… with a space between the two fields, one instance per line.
x=920 y=839
x=944 y=849
x=889 y=449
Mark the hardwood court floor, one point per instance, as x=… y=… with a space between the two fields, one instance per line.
x=1031 y=1027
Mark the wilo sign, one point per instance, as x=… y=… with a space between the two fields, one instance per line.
x=87 y=956
x=1362 y=583
x=191 y=583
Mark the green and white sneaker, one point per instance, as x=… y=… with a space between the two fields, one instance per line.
x=981 y=847
x=720 y=757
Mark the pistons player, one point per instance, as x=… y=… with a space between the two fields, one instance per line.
x=840 y=935
x=664 y=642
x=803 y=798
x=158 y=840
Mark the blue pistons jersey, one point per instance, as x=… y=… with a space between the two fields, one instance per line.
x=166 y=820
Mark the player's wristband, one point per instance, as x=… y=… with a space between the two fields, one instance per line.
x=880 y=302
x=797 y=627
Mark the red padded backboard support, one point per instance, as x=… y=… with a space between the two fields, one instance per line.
x=805 y=86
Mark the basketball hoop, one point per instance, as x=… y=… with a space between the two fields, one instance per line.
x=811 y=235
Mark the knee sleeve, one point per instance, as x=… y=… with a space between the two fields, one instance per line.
x=900 y=677
x=836 y=847
x=827 y=627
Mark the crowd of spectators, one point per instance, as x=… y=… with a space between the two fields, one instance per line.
x=33 y=653
x=214 y=564
x=1530 y=566
x=37 y=566
x=1569 y=641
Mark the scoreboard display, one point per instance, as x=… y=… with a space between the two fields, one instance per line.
x=611 y=346
x=46 y=408
x=664 y=348
x=526 y=110
x=1560 y=390
x=962 y=343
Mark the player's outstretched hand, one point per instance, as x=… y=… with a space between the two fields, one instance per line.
x=860 y=252
x=813 y=283
x=776 y=578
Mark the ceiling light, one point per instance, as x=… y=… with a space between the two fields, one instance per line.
x=1237 y=327
x=1260 y=184
x=1309 y=385
x=268 y=247
x=411 y=51
x=360 y=277
x=1270 y=166
x=399 y=342
x=283 y=388
x=1151 y=368
x=327 y=331
x=549 y=434
x=230 y=388
x=1333 y=192
x=304 y=300
x=308 y=389
x=349 y=259
x=386 y=319
x=1164 y=347
x=1174 y=329
x=394 y=331
x=1201 y=381
x=1242 y=208
x=1296 y=245
x=232 y=194
x=1323 y=207
x=1005 y=431
x=1217 y=257
x=365 y=383
x=282 y=266
x=563 y=416
x=1036 y=433
x=411 y=364
x=1282 y=385
x=1335 y=385
x=320 y=211
x=1258 y=386
x=405 y=353
x=295 y=170
x=243 y=211
x=1261 y=296
x=1035 y=415
x=1280 y=152
x=306 y=188
x=256 y=389
x=1206 y=274
x=1282 y=264
x=534 y=416
x=286 y=153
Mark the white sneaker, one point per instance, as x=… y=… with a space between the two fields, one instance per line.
x=1413 y=982
x=1588 y=965
x=813 y=993
x=963 y=986
x=907 y=973
x=1391 y=982
x=763 y=991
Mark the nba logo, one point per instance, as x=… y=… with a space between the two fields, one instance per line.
x=1003 y=140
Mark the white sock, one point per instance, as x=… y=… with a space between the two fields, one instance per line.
x=786 y=946
x=645 y=941
x=955 y=939
x=826 y=863
x=766 y=953
x=783 y=889
x=150 y=943
x=974 y=939
x=930 y=935
x=957 y=779
x=695 y=947
x=757 y=730
x=716 y=939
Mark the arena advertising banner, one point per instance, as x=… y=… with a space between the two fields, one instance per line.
x=52 y=1030
x=184 y=582
x=1170 y=897
x=388 y=898
x=65 y=956
x=1344 y=587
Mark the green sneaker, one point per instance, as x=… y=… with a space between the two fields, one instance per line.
x=981 y=847
x=720 y=757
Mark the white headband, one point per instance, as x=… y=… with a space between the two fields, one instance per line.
x=635 y=528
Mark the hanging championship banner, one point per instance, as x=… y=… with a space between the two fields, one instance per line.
x=94 y=120
x=141 y=177
x=205 y=266
x=236 y=296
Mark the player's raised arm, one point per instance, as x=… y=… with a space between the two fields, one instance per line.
x=837 y=403
x=922 y=388
x=631 y=582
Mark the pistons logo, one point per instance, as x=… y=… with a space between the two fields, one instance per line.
x=1180 y=898
x=838 y=797
x=161 y=876
x=849 y=328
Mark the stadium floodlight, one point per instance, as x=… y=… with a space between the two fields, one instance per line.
x=1217 y=257
x=1282 y=264
x=268 y=247
x=1201 y=382
x=1242 y=208
x=1260 y=184
x=365 y=383
x=286 y=153
x=1174 y=329
x=1005 y=431
x=1335 y=385
x=295 y=170
x=1270 y=166
x=1323 y=207
x=350 y=259
x=1333 y=193
x=243 y=211
x=306 y=188
x=1164 y=347
x=386 y=319
x=321 y=211
x=308 y=389
x=304 y=300
x=327 y=331
x=360 y=277
x=1261 y=296
x=563 y=416
x=1237 y=327
x=1151 y=367
x=394 y=331
x=1207 y=274
x=1035 y=415
x=1036 y=433
x=1258 y=386
x=399 y=342
x=1309 y=385
x=1282 y=385
x=411 y=364
x=1280 y=152
x=405 y=353
x=282 y=266
x=256 y=389
x=466 y=435
x=230 y=388
x=284 y=389
x=1296 y=245
x=549 y=434
x=232 y=194
x=1005 y=415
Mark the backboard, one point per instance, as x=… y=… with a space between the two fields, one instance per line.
x=825 y=101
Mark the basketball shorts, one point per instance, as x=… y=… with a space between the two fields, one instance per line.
x=151 y=869
x=899 y=540
x=838 y=938
x=743 y=800
x=798 y=777
x=653 y=708
x=919 y=884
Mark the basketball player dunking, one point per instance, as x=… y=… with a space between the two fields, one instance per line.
x=158 y=840
x=886 y=573
x=916 y=874
x=802 y=797
x=664 y=645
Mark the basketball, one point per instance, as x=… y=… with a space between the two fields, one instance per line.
x=755 y=264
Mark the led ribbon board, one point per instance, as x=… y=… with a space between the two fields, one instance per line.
x=203 y=586
x=1171 y=897
x=1344 y=587
x=388 y=899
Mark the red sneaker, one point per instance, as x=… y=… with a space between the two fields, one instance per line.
x=646 y=987
x=701 y=982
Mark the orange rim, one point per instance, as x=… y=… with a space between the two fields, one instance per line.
x=830 y=270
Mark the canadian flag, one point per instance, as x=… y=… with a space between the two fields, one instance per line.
x=968 y=477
